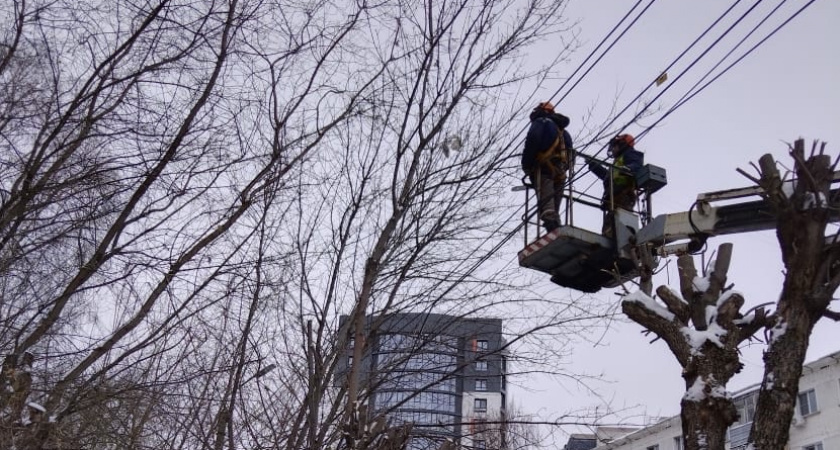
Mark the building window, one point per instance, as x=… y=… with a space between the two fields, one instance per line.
x=481 y=366
x=808 y=402
x=482 y=445
x=481 y=385
x=480 y=405
x=678 y=443
x=653 y=447
x=817 y=446
x=482 y=345
x=745 y=406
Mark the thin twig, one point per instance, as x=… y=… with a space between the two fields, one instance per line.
x=750 y=177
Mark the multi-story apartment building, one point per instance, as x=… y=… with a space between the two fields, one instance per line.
x=815 y=426
x=443 y=374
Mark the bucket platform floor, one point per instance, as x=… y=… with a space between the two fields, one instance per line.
x=578 y=259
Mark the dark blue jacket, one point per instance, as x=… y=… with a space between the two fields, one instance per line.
x=541 y=134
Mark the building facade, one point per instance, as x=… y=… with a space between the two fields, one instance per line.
x=445 y=375
x=815 y=425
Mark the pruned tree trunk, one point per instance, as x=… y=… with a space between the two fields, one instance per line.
x=811 y=279
x=703 y=328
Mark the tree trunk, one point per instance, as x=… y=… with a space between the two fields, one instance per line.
x=809 y=285
x=705 y=422
x=780 y=386
x=702 y=327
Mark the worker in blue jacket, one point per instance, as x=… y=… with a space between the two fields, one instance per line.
x=620 y=180
x=546 y=160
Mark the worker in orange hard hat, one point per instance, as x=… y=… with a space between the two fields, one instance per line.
x=546 y=160
x=620 y=180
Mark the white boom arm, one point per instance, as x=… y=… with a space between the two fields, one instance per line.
x=704 y=220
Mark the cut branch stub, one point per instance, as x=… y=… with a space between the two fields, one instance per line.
x=717 y=279
x=675 y=304
x=699 y=297
x=685 y=266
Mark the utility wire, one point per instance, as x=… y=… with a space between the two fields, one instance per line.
x=652 y=83
x=591 y=54
x=580 y=66
x=671 y=84
x=605 y=51
x=684 y=99
x=510 y=144
x=694 y=62
x=687 y=97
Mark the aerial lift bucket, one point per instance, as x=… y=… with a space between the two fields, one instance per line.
x=581 y=259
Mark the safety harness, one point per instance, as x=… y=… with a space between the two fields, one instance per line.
x=556 y=159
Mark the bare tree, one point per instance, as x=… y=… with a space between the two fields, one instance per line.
x=192 y=193
x=703 y=326
x=811 y=279
x=511 y=431
x=403 y=215
x=137 y=139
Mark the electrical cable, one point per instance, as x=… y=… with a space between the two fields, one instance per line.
x=591 y=54
x=580 y=66
x=510 y=144
x=599 y=135
x=684 y=71
x=747 y=53
x=686 y=97
x=605 y=51
x=703 y=235
x=710 y=71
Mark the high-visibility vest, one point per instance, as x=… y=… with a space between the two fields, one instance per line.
x=621 y=179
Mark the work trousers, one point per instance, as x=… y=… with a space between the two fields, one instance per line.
x=624 y=199
x=549 y=189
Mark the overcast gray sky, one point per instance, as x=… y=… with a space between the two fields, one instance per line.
x=787 y=88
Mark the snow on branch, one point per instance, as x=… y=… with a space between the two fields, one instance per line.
x=714 y=333
x=649 y=303
x=676 y=304
x=701 y=390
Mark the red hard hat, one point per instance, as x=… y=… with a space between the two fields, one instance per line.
x=547 y=106
x=625 y=139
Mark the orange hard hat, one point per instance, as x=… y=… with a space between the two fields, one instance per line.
x=624 y=139
x=546 y=106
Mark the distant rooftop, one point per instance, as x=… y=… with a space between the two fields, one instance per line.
x=581 y=442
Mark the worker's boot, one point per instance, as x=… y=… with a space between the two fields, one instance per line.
x=550 y=220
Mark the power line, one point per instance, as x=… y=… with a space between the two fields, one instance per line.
x=591 y=54
x=674 y=62
x=511 y=143
x=687 y=97
x=695 y=61
x=671 y=84
x=605 y=51
x=681 y=102
x=580 y=66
